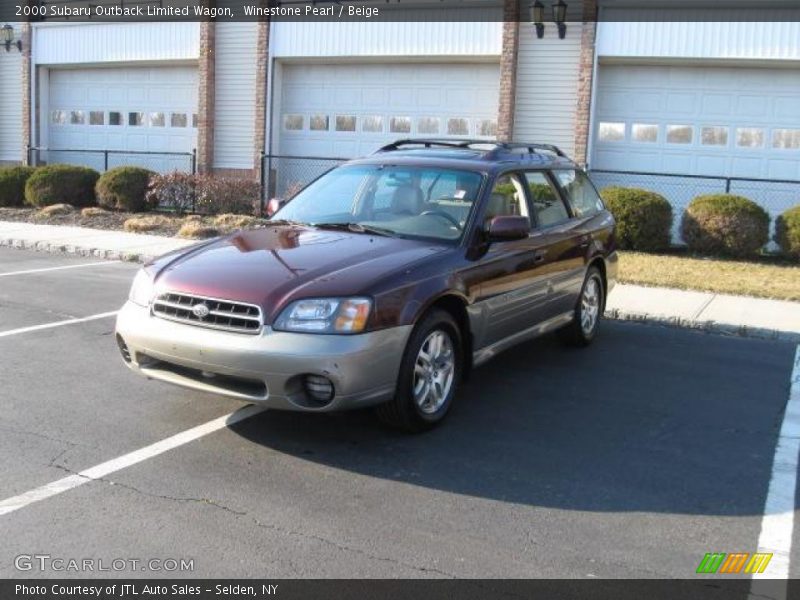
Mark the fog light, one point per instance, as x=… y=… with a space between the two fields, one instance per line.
x=123 y=348
x=319 y=388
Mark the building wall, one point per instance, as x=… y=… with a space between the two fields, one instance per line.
x=547 y=83
x=90 y=43
x=11 y=136
x=775 y=36
x=481 y=37
x=235 y=103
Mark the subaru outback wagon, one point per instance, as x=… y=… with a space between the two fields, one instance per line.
x=383 y=283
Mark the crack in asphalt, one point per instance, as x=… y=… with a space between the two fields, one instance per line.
x=39 y=435
x=257 y=522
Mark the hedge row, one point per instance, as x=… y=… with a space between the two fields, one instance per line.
x=716 y=224
x=129 y=189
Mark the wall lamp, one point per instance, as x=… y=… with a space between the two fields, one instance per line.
x=7 y=38
x=559 y=17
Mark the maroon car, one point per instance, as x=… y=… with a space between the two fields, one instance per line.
x=383 y=283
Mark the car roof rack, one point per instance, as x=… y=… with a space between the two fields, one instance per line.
x=498 y=149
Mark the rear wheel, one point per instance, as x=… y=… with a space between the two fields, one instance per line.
x=588 y=311
x=430 y=373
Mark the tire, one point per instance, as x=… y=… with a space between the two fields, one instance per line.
x=435 y=387
x=583 y=328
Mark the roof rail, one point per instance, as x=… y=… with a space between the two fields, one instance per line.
x=498 y=148
x=530 y=147
x=433 y=142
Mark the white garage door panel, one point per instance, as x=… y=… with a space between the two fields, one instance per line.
x=415 y=91
x=765 y=100
x=158 y=92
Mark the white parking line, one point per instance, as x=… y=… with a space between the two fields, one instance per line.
x=126 y=460
x=57 y=324
x=47 y=269
x=778 y=521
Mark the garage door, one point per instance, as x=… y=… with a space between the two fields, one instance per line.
x=150 y=109
x=351 y=110
x=716 y=121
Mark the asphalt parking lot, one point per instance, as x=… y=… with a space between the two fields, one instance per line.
x=632 y=458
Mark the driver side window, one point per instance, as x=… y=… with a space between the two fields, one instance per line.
x=507 y=198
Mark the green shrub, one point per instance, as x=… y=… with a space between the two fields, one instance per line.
x=61 y=184
x=644 y=218
x=124 y=188
x=787 y=232
x=12 y=185
x=725 y=225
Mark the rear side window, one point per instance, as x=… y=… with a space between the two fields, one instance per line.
x=582 y=196
x=545 y=202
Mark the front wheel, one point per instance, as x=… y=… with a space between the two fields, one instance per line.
x=588 y=311
x=430 y=374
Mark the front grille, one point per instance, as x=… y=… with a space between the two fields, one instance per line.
x=217 y=314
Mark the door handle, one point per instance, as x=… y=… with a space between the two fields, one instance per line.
x=539 y=256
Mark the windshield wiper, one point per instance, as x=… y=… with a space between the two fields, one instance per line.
x=285 y=222
x=358 y=228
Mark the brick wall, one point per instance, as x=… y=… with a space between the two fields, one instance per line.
x=584 y=91
x=26 y=140
x=205 y=109
x=508 y=70
x=262 y=64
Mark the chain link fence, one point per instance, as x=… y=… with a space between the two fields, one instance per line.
x=103 y=160
x=774 y=195
x=283 y=176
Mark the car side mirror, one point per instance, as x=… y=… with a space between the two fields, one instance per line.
x=506 y=228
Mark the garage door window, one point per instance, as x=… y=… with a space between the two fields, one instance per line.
x=714 y=136
x=135 y=119
x=319 y=123
x=293 y=122
x=77 y=117
x=457 y=126
x=58 y=117
x=345 y=123
x=679 y=134
x=372 y=124
x=486 y=128
x=749 y=137
x=611 y=132
x=642 y=132
x=786 y=138
x=178 y=120
x=400 y=125
x=97 y=117
x=427 y=125
x=158 y=119
x=115 y=118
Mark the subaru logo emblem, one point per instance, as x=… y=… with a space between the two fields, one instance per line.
x=200 y=311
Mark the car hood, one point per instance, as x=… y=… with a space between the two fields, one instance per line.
x=272 y=266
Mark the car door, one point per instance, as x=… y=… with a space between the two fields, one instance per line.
x=575 y=236
x=512 y=289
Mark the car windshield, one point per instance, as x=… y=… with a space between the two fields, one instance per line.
x=393 y=200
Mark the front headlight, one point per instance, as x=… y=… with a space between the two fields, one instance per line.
x=325 y=315
x=142 y=289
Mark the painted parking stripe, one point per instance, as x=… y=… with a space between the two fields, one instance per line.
x=48 y=269
x=778 y=521
x=126 y=460
x=57 y=324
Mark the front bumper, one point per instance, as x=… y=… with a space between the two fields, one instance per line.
x=268 y=368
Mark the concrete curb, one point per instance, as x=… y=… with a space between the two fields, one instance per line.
x=78 y=250
x=727 y=329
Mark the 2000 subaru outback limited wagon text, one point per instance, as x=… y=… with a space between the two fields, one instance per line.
x=384 y=282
